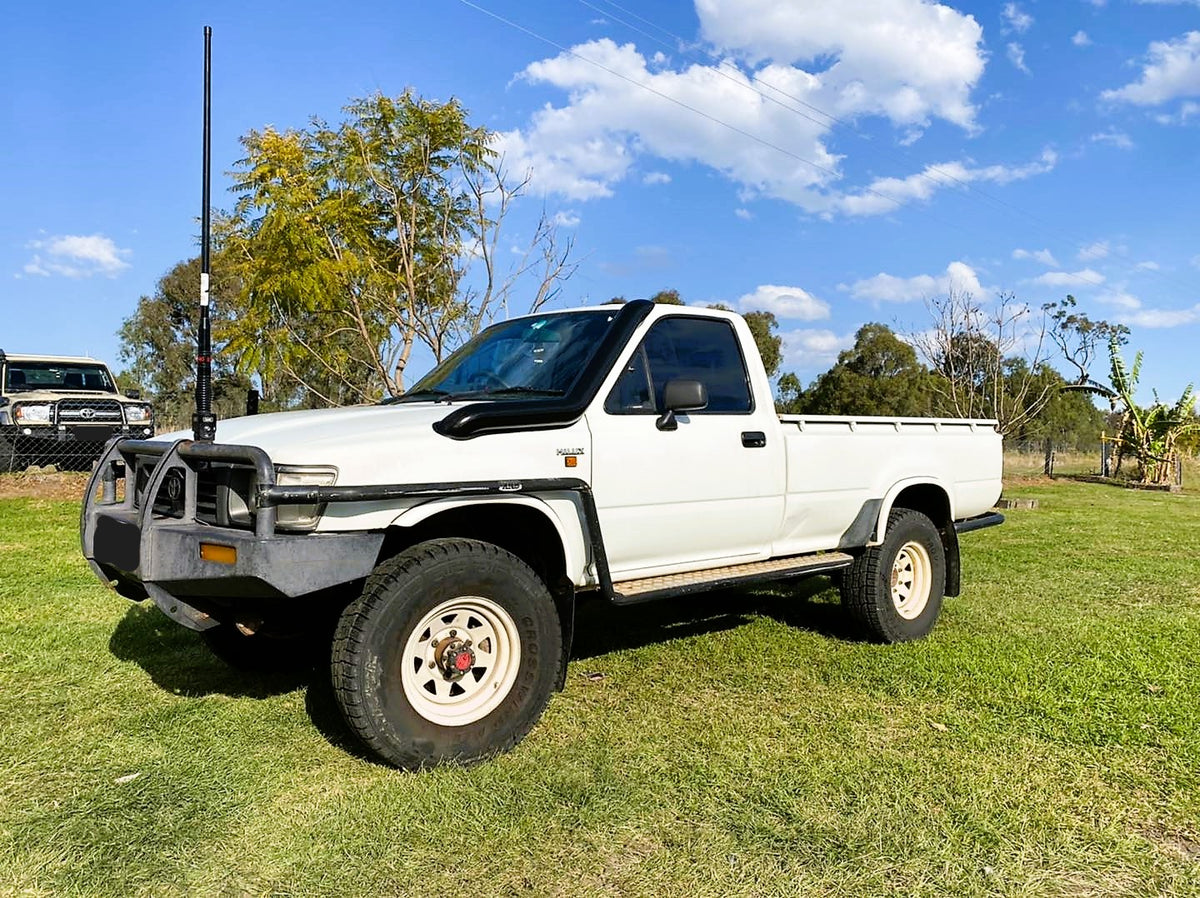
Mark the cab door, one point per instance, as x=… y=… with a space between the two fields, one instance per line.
x=710 y=490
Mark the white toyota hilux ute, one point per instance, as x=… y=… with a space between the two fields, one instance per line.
x=630 y=451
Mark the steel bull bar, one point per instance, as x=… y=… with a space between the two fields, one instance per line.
x=147 y=555
x=157 y=556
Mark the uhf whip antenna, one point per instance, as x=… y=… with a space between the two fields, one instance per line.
x=204 y=422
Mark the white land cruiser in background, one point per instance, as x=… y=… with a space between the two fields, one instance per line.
x=627 y=451
x=62 y=410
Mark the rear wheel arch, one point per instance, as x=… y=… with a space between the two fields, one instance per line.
x=931 y=499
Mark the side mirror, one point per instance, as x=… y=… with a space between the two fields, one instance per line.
x=681 y=396
x=134 y=394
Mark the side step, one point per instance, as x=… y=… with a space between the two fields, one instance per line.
x=631 y=592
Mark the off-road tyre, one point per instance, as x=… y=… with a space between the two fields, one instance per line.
x=873 y=587
x=379 y=638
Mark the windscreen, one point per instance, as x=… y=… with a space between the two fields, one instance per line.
x=25 y=376
x=535 y=356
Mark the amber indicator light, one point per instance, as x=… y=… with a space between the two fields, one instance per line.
x=571 y=461
x=217 y=553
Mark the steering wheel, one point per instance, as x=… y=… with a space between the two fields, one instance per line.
x=487 y=381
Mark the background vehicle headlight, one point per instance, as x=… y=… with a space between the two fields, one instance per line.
x=136 y=414
x=32 y=414
x=302 y=517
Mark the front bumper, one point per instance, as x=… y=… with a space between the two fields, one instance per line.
x=33 y=438
x=145 y=554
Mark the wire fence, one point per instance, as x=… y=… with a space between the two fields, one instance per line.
x=69 y=449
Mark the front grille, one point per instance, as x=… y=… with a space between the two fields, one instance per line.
x=89 y=411
x=220 y=490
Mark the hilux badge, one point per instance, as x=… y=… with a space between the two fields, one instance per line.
x=570 y=452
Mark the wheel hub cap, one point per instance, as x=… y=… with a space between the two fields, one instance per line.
x=454 y=657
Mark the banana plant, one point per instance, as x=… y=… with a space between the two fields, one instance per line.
x=1151 y=433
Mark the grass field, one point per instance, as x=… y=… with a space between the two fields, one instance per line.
x=1044 y=741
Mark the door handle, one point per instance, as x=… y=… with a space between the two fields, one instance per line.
x=754 y=439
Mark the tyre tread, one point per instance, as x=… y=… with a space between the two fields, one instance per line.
x=350 y=637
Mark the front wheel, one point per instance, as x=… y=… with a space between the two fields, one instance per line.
x=449 y=655
x=895 y=590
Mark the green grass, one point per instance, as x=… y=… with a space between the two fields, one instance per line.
x=1044 y=741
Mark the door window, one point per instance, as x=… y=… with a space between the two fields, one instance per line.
x=682 y=348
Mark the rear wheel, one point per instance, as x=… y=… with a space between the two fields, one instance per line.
x=449 y=655
x=895 y=590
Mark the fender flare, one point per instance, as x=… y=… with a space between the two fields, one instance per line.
x=889 y=500
x=570 y=534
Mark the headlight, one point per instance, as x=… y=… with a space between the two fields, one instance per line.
x=136 y=414
x=32 y=414
x=302 y=517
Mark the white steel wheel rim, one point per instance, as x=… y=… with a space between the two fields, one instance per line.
x=497 y=650
x=911 y=580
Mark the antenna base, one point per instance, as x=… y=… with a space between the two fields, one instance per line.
x=204 y=427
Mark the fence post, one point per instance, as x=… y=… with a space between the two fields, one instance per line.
x=1049 y=466
x=252 y=402
x=1105 y=455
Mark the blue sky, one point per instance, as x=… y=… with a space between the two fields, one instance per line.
x=834 y=162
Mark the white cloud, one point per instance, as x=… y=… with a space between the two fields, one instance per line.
x=1187 y=109
x=743 y=214
x=1038 y=255
x=656 y=177
x=1098 y=250
x=812 y=349
x=1069 y=278
x=908 y=61
x=567 y=218
x=77 y=257
x=785 y=302
x=1118 y=139
x=1016 y=55
x=885 y=194
x=890 y=288
x=1081 y=39
x=1159 y=318
x=1173 y=71
x=1120 y=299
x=1018 y=20
x=1148 y=266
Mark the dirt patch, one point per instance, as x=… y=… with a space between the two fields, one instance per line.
x=60 y=485
x=1183 y=845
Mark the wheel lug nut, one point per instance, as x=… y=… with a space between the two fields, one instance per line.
x=453 y=633
x=433 y=642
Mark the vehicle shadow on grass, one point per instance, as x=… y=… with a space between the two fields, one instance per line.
x=178 y=661
x=803 y=604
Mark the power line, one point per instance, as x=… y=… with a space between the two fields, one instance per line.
x=681 y=44
x=705 y=115
x=1074 y=276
